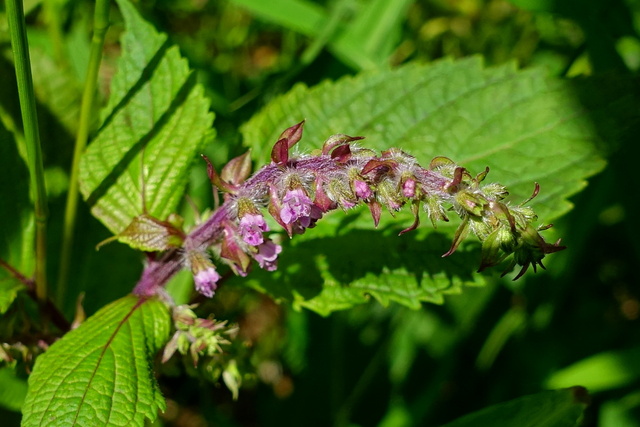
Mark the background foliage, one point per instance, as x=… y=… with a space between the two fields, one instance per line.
x=574 y=325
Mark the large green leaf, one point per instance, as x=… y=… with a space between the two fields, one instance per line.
x=156 y=120
x=527 y=127
x=558 y=408
x=101 y=373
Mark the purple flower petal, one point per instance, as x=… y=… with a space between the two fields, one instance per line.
x=205 y=281
x=295 y=205
x=251 y=228
x=267 y=255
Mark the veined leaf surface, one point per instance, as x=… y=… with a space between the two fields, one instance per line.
x=101 y=373
x=156 y=120
x=526 y=126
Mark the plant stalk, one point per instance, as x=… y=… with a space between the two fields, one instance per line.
x=20 y=46
x=100 y=27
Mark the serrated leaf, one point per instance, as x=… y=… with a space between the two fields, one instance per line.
x=101 y=373
x=326 y=272
x=526 y=126
x=156 y=120
x=557 y=408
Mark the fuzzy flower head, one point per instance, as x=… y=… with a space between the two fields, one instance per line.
x=251 y=228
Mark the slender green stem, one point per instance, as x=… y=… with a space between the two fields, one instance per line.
x=100 y=27
x=15 y=16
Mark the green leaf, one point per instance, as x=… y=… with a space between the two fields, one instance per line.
x=302 y=16
x=13 y=389
x=557 y=408
x=365 y=41
x=370 y=39
x=146 y=233
x=527 y=127
x=324 y=271
x=156 y=120
x=101 y=373
x=57 y=89
x=622 y=412
x=17 y=230
x=602 y=371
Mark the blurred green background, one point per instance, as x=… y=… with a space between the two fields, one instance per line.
x=577 y=324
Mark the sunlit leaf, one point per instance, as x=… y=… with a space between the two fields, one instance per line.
x=156 y=121
x=101 y=373
x=526 y=126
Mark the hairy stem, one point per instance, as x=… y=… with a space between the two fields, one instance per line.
x=15 y=16
x=100 y=26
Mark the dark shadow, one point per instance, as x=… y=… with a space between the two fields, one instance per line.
x=413 y=261
x=603 y=23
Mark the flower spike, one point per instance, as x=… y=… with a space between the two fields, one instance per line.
x=298 y=191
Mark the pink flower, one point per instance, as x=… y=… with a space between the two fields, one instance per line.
x=409 y=188
x=362 y=189
x=267 y=255
x=296 y=204
x=299 y=210
x=251 y=228
x=205 y=281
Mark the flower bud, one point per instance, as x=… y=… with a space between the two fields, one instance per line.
x=362 y=189
x=389 y=195
x=409 y=188
x=341 y=193
x=204 y=273
x=471 y=202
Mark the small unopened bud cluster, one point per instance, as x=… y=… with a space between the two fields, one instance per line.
x=195 y=336
x=298 y=191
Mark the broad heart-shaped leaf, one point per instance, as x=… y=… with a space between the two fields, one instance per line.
x=557 y=408
x=156 y=120
x=101 y=373
x=526 y=126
